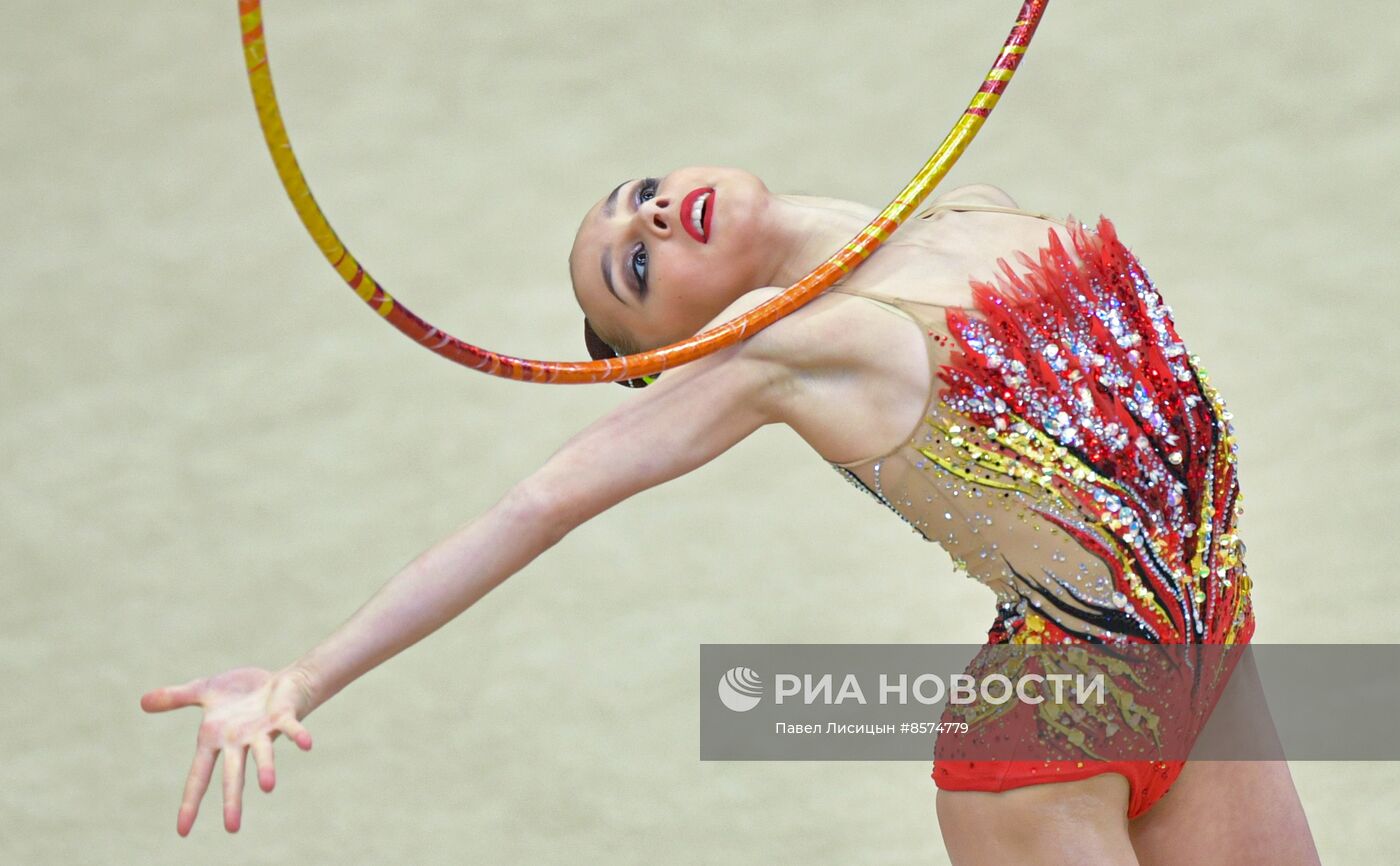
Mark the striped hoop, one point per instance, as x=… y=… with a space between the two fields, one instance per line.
x=847 y=259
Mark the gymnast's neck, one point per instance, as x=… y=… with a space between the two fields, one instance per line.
x=811 y=228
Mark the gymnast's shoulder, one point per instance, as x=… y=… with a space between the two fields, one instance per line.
x=833 y=334
x=976 y=193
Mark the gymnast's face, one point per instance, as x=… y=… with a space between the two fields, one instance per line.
x=658 y=258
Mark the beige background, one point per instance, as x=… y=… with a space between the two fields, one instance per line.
x=210 y=453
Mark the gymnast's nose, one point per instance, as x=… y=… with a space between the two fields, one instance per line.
x=657 y=216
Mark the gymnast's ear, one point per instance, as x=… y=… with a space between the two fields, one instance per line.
x=599 y=350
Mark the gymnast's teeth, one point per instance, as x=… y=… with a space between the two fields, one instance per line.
x=697 y=211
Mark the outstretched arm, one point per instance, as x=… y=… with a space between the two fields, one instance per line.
x=685 y=419
x=688 y=417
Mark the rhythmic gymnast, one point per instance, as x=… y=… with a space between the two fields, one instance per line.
x=1037 y=416
x=901 y=345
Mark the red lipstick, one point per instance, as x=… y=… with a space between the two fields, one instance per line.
x=697 y=212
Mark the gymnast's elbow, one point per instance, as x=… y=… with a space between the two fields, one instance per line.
x=544 y=511
x=557 y=499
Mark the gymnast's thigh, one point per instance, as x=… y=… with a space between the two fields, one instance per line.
x=1053 y=823
x=1230 y=811
x=1226 y=812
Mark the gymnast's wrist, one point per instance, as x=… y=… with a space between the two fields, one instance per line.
x=307 y=693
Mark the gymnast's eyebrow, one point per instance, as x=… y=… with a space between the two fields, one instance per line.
x=609 y=208
x=610 y=205
x=607 y=275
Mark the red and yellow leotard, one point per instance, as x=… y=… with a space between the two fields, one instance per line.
x=1075 y=458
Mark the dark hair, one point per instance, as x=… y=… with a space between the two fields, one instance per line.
x=600 y=349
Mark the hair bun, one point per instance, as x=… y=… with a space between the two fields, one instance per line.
x=599 y=350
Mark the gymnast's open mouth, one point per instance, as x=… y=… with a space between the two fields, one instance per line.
x=698 y=212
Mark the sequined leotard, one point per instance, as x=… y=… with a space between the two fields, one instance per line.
x=1074 y=457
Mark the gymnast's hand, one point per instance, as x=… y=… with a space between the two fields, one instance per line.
x=245 y=708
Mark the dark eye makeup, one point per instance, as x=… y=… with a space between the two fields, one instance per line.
x=645 y=192
x=638 y=262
